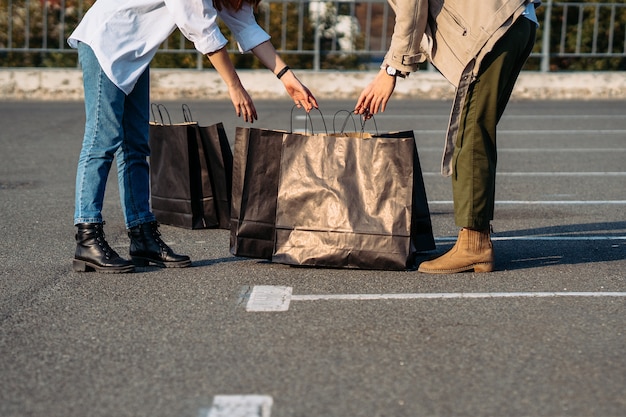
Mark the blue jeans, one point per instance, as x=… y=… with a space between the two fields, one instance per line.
x=116 y=126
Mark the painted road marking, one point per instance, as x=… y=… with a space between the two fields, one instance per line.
x=504 y=132
x=536 y=150
x=548 y=174
x=269 y=298
x=504 y=238
x=539 y=132
x=544 y=150
x=546 y=202
x=241 y=406
x=507 y=117
x=543 y=238
x=545 y=132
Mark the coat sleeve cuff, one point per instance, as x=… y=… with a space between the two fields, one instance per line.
x=403 y=62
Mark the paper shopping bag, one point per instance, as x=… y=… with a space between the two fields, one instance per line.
x=348 y=201
x=256 y=166
x=190 y=174
x=355 y=201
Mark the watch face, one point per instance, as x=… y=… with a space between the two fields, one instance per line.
x=391 y=71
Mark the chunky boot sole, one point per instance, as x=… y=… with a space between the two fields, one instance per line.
x=141 y=261
x=85 y=266
x=480 y=267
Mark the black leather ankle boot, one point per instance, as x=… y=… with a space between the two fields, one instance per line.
x=147 y=247
x=93 y=253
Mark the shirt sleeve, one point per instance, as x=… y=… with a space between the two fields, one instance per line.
x=244 y=27
x=197 y=21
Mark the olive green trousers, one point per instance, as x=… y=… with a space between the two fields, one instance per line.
x=475 y=155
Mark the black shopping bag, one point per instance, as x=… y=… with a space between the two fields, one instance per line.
x=341 y=200
x=190 y=174
x=256 y=167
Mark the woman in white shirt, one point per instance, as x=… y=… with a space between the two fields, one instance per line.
x=116 y=40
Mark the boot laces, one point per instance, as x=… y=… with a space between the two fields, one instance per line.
x=104 y=245
x=156 y=235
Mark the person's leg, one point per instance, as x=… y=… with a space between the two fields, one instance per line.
x=475 y=157
x=133 y=172
x=146 y=245
x=104 y=104
x=104 y=107
x=473 y=181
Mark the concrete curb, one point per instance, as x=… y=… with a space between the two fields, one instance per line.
x=66 y=84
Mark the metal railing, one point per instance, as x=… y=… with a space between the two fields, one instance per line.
x=321 y=31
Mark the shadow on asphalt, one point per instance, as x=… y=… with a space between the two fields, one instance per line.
x=606 y=229
x=571 y=245
x=209 y=262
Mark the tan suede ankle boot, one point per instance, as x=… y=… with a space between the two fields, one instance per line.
x=472 y=251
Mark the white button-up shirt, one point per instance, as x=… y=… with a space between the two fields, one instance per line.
x=125 y=34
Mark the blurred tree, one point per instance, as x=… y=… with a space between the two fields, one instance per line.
x=270 y=16
x=573 y=31
x=38 y=30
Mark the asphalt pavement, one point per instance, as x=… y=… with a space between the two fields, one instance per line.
x=543 y=335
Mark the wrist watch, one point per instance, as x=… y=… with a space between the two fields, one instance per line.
x=394 y=72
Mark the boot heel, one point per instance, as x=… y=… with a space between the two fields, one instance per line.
x=81 y=266
x=483 y=267
x=93 y=252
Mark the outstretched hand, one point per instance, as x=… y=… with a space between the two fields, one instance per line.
x=375 y=96
x=300 y=94
x=243 y=103
x=238 y=95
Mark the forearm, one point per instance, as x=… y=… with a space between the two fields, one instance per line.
x=239 y=96
x=224 y=66
x=301 y=95
x=266 y=53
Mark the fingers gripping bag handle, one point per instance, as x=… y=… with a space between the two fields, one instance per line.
x=350 y=116
x=307 y=119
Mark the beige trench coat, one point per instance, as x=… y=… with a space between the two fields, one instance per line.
x=454 y=35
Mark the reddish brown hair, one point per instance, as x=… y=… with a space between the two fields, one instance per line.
x=233 y=4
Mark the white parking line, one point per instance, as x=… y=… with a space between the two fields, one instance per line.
x=506 y=117
x=241 y=406
x=564 y=174
x=545 y=132
x=551 y=150
x=531 y=133
x=504 y=132
x=546 y=202
x=547 y=174
x=542 y=238
x=269 y=298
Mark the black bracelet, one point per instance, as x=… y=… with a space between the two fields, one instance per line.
x=282 y=71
